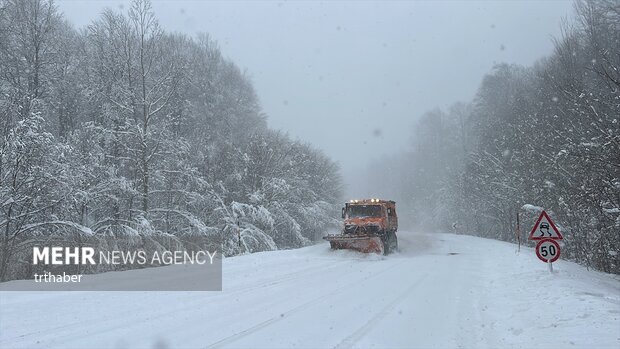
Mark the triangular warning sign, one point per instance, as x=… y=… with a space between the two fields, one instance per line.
x=545 y=229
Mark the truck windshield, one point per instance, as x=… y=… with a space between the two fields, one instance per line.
x=364 y=211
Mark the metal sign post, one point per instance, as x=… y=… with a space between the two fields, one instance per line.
x=550 y=266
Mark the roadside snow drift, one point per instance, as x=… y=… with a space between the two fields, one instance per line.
x=440 y=291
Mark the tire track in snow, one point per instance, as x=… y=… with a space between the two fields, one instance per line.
x=253 y=329
x=353 y=338
x=285 y=277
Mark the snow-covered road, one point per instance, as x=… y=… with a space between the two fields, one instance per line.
x=440 y=291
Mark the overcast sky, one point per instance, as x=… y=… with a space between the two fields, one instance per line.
x=345 y=75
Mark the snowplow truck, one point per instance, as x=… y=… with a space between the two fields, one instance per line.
x=369 y=226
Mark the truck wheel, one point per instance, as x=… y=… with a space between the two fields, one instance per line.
x=385 y=239
x=394 y=242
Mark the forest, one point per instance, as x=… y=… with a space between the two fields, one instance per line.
x=545 y=136
x=121 y=135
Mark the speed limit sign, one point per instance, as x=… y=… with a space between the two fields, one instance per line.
x=548 y=250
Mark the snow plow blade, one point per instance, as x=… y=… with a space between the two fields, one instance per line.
x=361 y=243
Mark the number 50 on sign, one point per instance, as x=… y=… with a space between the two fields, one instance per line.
x=548 y=250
